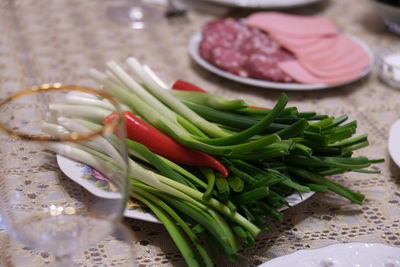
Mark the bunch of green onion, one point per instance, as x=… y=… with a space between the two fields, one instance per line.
x=270 y=154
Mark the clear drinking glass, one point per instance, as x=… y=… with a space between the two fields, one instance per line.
x=138 y=14
x=61 y=126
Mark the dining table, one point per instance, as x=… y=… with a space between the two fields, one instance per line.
x=48 y=41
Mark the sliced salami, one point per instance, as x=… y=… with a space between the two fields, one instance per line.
x=249 y=52
x=266 y=67
x=228 y=59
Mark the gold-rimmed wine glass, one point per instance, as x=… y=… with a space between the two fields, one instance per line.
x=38 y=124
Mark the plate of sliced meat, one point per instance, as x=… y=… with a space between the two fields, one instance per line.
x=280 y=51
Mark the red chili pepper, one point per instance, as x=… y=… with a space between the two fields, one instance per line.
x=164 y=145
x=186 y=86
x=256 y=107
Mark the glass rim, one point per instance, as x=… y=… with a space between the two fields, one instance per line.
x=74 y=136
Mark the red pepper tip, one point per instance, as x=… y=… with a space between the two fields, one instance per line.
x=186 y=86
x=111 y=117
x=257 y=107
x=224 y=171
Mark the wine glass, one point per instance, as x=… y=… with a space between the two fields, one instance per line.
x=138 y=14
x=42 y=128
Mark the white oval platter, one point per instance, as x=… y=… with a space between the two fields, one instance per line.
x=100 y=186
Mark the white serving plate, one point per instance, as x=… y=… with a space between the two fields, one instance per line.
x=394 y=142
x=194 y=52
x=86 y=177
x=341 y=255
x=262 y=3
x=99 y=186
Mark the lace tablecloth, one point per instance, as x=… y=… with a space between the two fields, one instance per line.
x=58 y=40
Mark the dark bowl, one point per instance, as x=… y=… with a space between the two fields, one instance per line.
x=390 y=14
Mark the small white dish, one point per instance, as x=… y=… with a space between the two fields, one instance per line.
x=388 y=65
x=194 y=52
x=394 y=142
x=100 y=186
x=341 y=255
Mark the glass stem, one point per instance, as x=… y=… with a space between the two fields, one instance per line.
x=63 y=261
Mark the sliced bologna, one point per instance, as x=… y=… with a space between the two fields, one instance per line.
x=342 y=47
x=300 y=26
x=294 y=69
x=350 y=62
x=322 y=47
x=292 y=43
x=323 y=55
